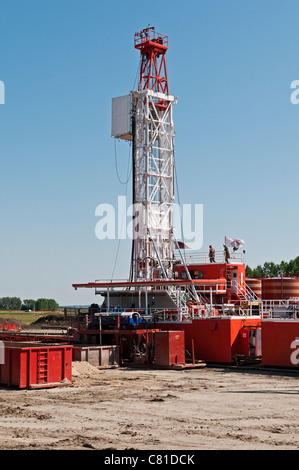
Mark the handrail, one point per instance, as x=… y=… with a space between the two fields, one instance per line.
x=280 y=309
x=252 y=293
x=149 y=34
x=245 y=290
x=161 y=283
x=198 y=257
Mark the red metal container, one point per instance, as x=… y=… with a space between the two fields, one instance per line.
x=216 y=340
x=280 y=343
x=169 y=348
x=278 y=288
x=28 y=365
x=99 y=356
x=255 y=285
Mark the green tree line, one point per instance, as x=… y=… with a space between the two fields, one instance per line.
x=15 y=303
x=270 y=269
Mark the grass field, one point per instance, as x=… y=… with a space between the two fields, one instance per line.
x=24 y=317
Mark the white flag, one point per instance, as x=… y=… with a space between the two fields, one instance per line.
x=234 y=243
x=178 y=245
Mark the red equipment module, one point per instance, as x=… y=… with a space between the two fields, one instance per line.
x=169 y=348
x=36 y=366
x=216 y=340
x=280 y=343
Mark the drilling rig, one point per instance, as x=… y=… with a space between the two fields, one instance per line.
x=166 y=290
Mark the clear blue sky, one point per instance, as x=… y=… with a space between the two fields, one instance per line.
x=230 y=63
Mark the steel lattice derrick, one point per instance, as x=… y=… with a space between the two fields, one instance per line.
x=154 y=184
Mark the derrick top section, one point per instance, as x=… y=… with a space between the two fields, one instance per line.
x=149 y=39
x=153 y=72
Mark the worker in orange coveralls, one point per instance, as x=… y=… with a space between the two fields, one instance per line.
x=212 y=254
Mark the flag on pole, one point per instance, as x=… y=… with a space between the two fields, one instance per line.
x=182 y=245
x=234 y=243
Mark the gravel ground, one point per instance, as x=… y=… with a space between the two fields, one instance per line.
x=123 y=408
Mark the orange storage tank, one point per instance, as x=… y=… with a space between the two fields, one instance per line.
x=255 y=285
x=277 y=288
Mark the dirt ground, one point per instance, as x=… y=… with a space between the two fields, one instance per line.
x=123 y=408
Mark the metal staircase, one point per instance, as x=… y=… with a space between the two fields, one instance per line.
x=242 y=292
x=245 y=293
x=181 y=298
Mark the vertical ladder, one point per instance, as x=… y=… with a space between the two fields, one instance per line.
x=228 y=277
x=42 y=366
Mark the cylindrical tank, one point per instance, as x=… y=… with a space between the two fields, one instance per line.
x=280 y=288
x=255 y=285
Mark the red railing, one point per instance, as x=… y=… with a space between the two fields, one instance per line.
x=149 y=34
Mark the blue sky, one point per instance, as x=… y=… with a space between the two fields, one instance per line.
x=230 y=63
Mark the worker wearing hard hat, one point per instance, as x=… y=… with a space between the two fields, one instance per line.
x=212 y=254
